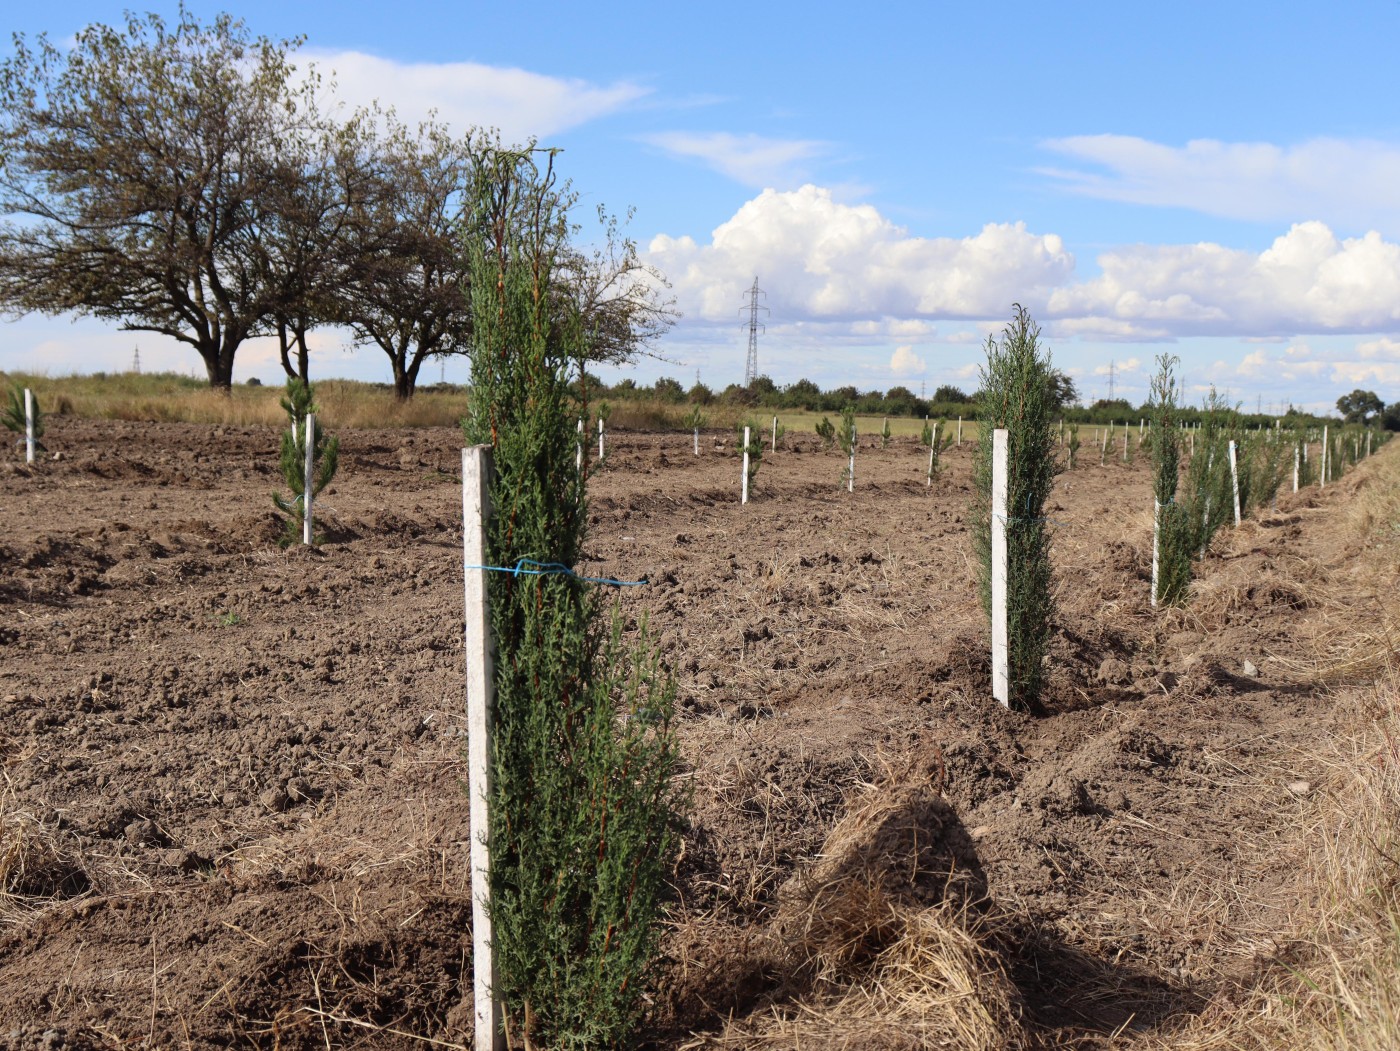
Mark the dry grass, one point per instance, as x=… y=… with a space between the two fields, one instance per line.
x=36 y=871
x=876 y=956
x=1337 y=987
x=168 y=398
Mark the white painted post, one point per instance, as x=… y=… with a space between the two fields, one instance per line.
x=309 y=477
x=578 y=447
x=1368 y=443
x=600 y=437
x=1322 y=475
x=1156 y=545
x=1295 y=467
x=932 y=449
x=697 y=441
x=851 y=467
x=1127 y=433
x=775 y=434
x=1192 y=436
x=1001 y=664
x=959 y=432
x=28 y=425
x=1235 y=482
x=481 y=686
x=744 y=487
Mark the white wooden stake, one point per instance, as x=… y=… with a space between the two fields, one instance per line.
x=959 y=432
x=28 y=425
x=1295 y=468
x=851 y=467
x=481 y=702
x=309 y=478
x=1126 y=434
x=1368 y=443
x=1156 y=545
x=1235 y=482
x=697 y=441
x=578 y=448
x=932 y=449
x=600 y=437
x=775 y=434
x=1001 y=664
x=744 y=491
x=1322 y=476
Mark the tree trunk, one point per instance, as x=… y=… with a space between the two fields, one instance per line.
x=218 y=364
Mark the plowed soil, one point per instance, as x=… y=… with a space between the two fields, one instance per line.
x=232 y=804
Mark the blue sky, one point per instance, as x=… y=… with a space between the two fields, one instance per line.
x=1218 y=181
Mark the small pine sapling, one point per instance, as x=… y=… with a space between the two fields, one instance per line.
x=13 y=418
x=926 y=435
x=693 y=421
x=325 y=457
x=826 y=431
x=754 y=448
x=846 y=438
x=1073 y=445
x=885 y=434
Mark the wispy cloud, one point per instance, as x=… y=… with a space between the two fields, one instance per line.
x=752 y=160
x=518 y=102
x=1353 y=184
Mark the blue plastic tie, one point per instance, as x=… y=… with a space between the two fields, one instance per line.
x=556 y=569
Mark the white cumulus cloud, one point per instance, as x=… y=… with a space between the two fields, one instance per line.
x=1308 y=280
x=1352 y=183
x=520 y=103
x=823 y=259
x=904 y=362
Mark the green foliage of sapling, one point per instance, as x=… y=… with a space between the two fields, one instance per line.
x=13 y=418
x=297 y=403
x=1015 y=396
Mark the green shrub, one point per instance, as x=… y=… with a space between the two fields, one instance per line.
x=584 y=799
x=1015 y=396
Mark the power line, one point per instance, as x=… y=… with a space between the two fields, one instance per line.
x=751 y=366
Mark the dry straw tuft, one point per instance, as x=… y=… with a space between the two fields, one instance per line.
x=879 y=938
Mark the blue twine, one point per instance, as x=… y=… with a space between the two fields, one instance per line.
x=547 y=569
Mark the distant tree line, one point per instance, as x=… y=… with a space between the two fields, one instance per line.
x=186 y=179
x=947 y=400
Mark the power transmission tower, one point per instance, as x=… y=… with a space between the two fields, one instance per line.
x=1111 y=370
x=136 y=361
x=751 y=366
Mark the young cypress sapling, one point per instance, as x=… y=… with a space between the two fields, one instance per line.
x=1173 y=537
x=1016 y=395
x=583 y=802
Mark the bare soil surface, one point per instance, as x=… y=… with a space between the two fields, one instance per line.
x=232 y=805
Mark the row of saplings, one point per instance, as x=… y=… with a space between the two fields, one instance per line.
x=1231 y=471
